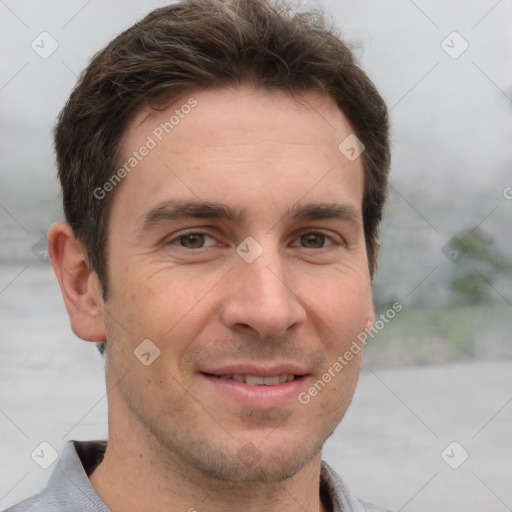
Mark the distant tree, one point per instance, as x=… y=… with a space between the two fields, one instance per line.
x=477 y=264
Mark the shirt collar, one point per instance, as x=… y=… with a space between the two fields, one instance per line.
x=71 y=490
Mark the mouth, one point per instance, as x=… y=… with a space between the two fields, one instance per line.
x=256 y=380
x=256 y=387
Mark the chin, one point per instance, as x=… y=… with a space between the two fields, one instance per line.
x=250 y=464
x=266 y=470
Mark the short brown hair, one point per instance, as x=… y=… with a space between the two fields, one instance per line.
x=197 y=44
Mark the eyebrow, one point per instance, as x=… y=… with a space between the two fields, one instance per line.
x=174 y=209
x=325 y=211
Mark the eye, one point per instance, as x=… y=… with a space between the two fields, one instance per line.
x=315 y=240
x=192 y=240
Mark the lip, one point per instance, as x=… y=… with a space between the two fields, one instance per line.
x=257 y=397
x=257 y=370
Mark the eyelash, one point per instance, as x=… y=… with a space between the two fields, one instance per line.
x=331 y=239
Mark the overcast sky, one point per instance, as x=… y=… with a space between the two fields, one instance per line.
x=444 y=69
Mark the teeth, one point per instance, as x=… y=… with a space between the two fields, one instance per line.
x=271 y=381
x=254 y=380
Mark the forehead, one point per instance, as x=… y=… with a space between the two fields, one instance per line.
x=239 y=145
x=247 y=110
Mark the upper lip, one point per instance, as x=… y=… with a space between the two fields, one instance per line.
x=259 y=370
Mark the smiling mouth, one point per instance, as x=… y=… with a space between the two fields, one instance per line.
x=256 y=380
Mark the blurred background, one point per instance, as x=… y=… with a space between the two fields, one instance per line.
x=429 y=427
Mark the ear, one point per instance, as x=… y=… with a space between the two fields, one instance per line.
x=79 y=284
x=370 y=316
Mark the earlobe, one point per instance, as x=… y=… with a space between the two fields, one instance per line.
x=79 y=284
x=370 y=318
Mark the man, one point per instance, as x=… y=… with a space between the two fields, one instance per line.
x=224 y=167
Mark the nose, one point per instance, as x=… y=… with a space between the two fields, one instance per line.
x=260 y=298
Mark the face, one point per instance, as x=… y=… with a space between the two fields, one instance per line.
x=236 y=247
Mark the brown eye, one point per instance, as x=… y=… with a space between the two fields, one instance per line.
x=313 y=240
x=192 y=241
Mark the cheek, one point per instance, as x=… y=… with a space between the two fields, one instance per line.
x=344 y=306
x=142 y=296
x=168 y=308
x=176 y=299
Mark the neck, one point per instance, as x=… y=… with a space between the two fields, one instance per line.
x=138 y=472
x=134 y=476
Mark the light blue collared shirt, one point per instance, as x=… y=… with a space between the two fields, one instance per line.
x=69 y=489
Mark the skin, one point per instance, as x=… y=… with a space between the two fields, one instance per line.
x=174 y=441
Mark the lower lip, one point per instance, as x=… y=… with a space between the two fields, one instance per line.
x=259 y=397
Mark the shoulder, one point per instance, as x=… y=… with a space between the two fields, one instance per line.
x=37 y=503
x=363 y=506
x=339 y=495
x=69 y=488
